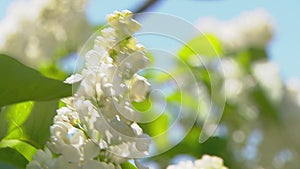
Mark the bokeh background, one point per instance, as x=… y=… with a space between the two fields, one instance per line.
x=284 y=45
x=258 y=74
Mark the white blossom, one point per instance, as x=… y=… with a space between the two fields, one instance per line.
x=97 y=128
x=73 y=79
x=267 y=75
x=41 y=29
x=139 y=87
x=206 y=162
x=293 y=89
x=252 y=29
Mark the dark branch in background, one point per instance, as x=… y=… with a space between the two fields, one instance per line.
x=145 y=6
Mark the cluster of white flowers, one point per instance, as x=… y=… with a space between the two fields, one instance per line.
x=97 y=128
x=268 y=77
x=236 y=81
x=293 y=88
x=206 y=162
x=35 y=31
x=253 y=29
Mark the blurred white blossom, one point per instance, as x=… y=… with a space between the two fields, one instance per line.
x=206 y=162
x=252 y=29
x=97 y=128
x=293 y=88
x=235 y=80
x=267 y=75
x=36 y=31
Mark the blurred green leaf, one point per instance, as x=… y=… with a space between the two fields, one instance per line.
x=204 y=45
x=264 y=104
x=142 y=106
x=156 y=128
x=128 y=165
x=11 y=159
x=189 y=145
x=12 y=117
x=21 y=83
x=218 y=146
x=52 y=71
x=3 y=125
x=30 y=122
x=247 y=57
x=23 y=148
x=151 y=57
x=38 y=123
x=183 y=99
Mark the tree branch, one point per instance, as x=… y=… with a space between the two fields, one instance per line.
x=145 y=6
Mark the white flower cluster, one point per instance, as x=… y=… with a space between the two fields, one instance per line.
x=253 y=29
x=236 y=80
x=293 y=89
x=206 y=162
x=97 y=128
x=35 y=31
x=239 y=84
x=267 y=75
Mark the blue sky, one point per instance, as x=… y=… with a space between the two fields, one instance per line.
x=283 y=49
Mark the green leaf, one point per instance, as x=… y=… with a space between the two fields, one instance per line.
x=142 y=106
x=248 y=56
x=189 y=145
x=128 y=165
x=267 y=108
x=52 y=71
x=37 y=126
x=157 y=130
x=21 y=83
x=204 y=45
x=11 y=159
x=29 y=121
x=12 y=117
x=183 y=99
x=3 y=125
x=23 y=148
